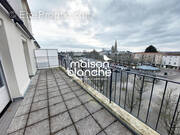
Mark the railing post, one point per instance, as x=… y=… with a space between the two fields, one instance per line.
x=172 y=122
x=110 y=92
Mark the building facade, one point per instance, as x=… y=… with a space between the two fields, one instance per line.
x=171 y=60
x=17 y=62
x=149 y=58
x=161 y=59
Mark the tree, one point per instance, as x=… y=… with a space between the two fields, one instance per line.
x=138 y=92
x=167 y=113
x=95 y=55
x=151 y=48
x=113 y=49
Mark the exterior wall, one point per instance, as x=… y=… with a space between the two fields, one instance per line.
x=32 y=47
x=153 y=58
x=26 y=16
x=20 y=8
x=171 y=61
x=7 y=64
x=158 y=59
x=16 y=67
x=16 y=5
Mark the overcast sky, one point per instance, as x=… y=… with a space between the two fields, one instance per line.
x=76 y=25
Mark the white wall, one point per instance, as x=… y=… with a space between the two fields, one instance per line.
x=13 y=56
x=8 y=64
x=171 y=60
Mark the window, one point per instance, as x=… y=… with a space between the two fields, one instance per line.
x=1 y=80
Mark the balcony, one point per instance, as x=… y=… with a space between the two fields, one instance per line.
x=125 y=103
x=54 y=104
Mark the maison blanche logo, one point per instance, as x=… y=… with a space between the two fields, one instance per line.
x=87 y=68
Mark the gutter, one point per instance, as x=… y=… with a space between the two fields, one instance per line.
x=17 y=20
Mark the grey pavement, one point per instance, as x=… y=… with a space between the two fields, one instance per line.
x=56 y=105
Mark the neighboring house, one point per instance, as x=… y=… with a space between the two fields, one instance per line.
x=171 y=60
x=17 y=46
x=149 y=58
x=165 y=59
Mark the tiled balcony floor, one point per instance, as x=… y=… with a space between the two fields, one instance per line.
x=55 y=105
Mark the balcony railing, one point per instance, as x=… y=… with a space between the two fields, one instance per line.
x=151 y=99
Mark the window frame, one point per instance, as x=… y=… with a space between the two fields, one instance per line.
x=2 y=83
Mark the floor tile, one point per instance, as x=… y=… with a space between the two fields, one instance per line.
x=104 y=118
x=17 y=123
x=69 y=96
x=40 y=98
x=79 y=113
x=53 y=94
x=19 y=132
x=55 y=100
x=85 y=98
x=23 y=110
x=93 y=106
x=67 y=131
x=41 y=128
x=73 y=103
x=37 y=116
x=80 y=92
x=117 y=129
x=57 y=108
x=60 y=121
x=64 y=91
x=39 y=105
x=87 y=126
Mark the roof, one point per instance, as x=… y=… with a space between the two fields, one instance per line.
x=172 y=53
x=148 y=53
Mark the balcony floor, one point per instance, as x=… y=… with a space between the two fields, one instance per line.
x=55 y=105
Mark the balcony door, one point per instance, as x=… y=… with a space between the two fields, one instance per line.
x=4 y=95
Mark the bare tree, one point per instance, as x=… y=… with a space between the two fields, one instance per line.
x=167 y=113
x=139 y=89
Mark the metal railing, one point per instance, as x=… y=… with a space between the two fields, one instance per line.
x=153 y=100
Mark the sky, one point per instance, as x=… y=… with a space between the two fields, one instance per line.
x=77 y=25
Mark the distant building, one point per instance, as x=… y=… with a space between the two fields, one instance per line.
x=165 y=59
x=149 y=58
x=171 y=60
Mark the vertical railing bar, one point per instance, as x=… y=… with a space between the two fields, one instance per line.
x=133 y=93
x=107 y=86
x=161 y=105
x=115 y=87
x=95 y=78
x=126 y=90
x=100 y=83
x=91 y=78
x=96 y=82
x=120 y=87
x=141 y=92
x=176 y=108
x=110 y=94
x=150 y=100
